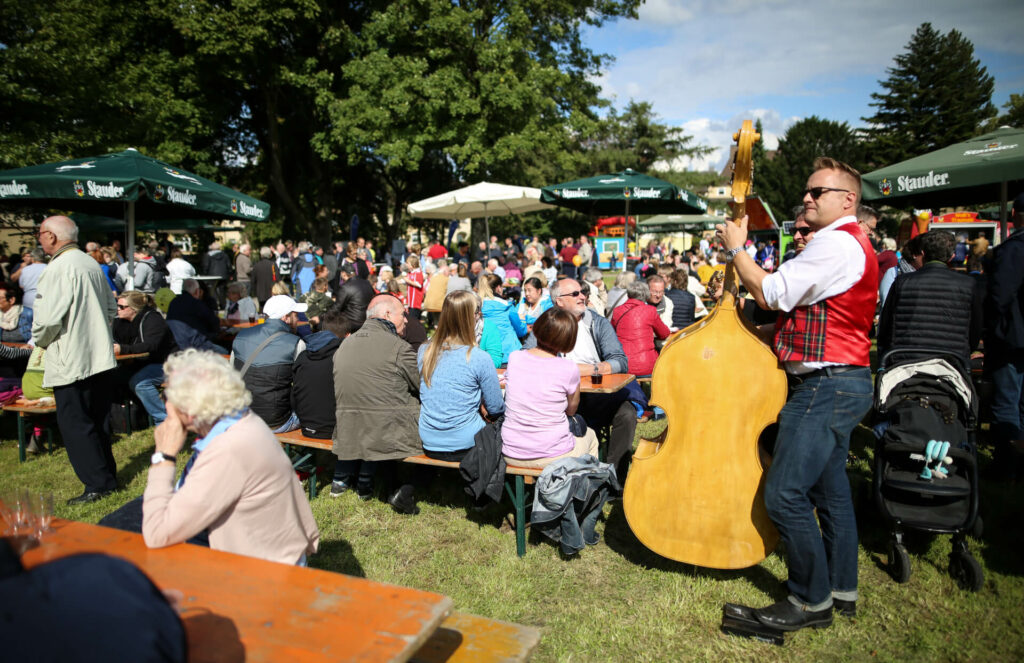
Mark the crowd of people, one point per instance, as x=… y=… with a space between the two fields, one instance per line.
x=335 y=343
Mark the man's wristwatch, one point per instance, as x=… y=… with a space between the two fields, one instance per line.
x=160 y=457
x=731 y=253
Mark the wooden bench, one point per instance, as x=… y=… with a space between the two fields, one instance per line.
x=465 y=638
x=516 y=478
x=24 y=409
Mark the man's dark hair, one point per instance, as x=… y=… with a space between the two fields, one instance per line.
x=334 y=321
x=912 y=247
x=938 y=245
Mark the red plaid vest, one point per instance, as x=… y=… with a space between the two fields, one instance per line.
x=834 y=329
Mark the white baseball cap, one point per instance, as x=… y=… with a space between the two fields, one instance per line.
x=279 y=306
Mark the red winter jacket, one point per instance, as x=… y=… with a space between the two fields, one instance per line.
x=636 y=324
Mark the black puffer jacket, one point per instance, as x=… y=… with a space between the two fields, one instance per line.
x=148 y=332
x=934 y=307
x=313 y=385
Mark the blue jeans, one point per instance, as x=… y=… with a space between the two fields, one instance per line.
x=1007 y=405
x=145 y=384
x=808 y=471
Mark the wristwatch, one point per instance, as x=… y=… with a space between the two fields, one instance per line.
x=160 y=457
x=731 y=253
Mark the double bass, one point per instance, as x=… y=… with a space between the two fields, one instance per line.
x=696 y=494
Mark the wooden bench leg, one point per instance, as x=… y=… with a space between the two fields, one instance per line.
x=21 y=437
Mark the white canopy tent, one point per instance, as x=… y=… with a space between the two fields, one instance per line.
x=484 y=199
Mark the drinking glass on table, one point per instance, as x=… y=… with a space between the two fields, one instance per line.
x=44 y=513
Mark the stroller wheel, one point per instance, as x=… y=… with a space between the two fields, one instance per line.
x=966 y=571
x=899 y=562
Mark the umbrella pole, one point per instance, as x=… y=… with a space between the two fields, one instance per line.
x=1002 y=211
x=625 y=226
x=130 y=240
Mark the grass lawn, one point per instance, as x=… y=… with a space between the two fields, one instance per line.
x=619 y=601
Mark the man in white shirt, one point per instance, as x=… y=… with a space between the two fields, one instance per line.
x=826 y=298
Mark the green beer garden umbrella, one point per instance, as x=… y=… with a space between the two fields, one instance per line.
x=976 y=171
x=126 y=185
x=608 y=195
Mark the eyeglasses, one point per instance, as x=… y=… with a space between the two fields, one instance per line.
x=41 y=231
x=818 y=191
x=574 y=293
x=802 y=231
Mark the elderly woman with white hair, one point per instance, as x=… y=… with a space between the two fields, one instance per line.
x=238 y=485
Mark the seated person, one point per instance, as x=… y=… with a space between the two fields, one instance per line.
x=503 y=319
x=313 y=375
x=239 y=484
x=636 y=324
x=264 y=354
x=598 y=350
x=542 y=391
x=15 y=319
x=457 y=381
x=138 y=328
x=189 y=309
x=684 y=302
x=535 y=300
x=376 y=390
x=240 y=306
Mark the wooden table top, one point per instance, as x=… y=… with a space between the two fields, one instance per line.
x=280 y=612
x=137 y=355
x=610 y=382
x=122 y=357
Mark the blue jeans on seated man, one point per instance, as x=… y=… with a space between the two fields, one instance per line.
x=808 y=472
x=145 y=384
x=293 y=423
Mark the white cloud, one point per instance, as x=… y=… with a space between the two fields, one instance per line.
x=705 y=57
x=717 y=134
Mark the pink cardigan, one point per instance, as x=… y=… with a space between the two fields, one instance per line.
x=243 y=488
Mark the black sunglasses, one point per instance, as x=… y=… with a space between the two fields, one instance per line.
x=818 y=191
x=802 y=231
x=574 y=293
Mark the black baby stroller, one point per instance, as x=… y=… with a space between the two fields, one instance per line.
x=927 y=396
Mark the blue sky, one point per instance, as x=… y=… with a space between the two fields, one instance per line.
x=707 y=65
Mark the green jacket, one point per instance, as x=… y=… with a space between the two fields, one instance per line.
x=73 y=311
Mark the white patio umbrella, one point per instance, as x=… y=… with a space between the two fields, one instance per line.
x=485 y=199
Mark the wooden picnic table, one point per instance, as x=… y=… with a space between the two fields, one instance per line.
x=610 y=382
x=280 y=612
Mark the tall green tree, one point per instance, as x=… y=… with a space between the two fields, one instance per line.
x=937 y=94
x=324 y=109
x=635 y=139
x=782 y=179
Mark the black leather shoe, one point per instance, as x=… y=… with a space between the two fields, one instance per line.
x=786 y=616
x=87 y=497
x=404 y=501
x=845 y=608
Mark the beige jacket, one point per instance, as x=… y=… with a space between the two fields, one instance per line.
x=71 y=318
x=242 y=487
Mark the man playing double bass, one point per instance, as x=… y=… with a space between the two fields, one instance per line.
x=826 y=301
